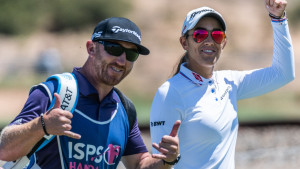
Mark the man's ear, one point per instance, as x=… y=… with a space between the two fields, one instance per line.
x=90 y=47
x=184 y=43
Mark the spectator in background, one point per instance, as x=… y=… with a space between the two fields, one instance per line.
x=48 y=62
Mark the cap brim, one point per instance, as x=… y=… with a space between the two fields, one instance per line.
x=142 y=50
x=218 y=17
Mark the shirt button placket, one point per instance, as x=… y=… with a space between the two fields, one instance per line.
x=213 y=90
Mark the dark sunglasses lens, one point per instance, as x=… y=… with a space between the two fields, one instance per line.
x=117 y=50
x=114 y=49
x=131 y=55
x=200 y=35
x=218 y=36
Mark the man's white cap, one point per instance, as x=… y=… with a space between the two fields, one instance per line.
x=195 y=15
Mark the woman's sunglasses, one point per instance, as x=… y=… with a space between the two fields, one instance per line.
x=199 y=35
x=116 y=49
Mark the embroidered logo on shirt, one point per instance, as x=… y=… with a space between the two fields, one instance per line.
x=197 y=76
x=225 y=92
x=157 y=123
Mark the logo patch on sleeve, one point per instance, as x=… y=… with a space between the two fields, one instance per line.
x=157 y=123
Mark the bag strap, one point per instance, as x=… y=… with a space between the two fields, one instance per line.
x=129 y=107
x=68 y=91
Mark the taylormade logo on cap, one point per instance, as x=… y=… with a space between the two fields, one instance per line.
x=198 y=12
x=119 y=29
x=96 y=35
x=116 y=29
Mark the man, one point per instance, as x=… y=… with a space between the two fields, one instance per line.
x=97 y=134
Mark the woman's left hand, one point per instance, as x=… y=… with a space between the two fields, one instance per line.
x=276 y=7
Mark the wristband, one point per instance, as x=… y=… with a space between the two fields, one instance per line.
x=277 y=17
x=173 y=162
x=44 y=125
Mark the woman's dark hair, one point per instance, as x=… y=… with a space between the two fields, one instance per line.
x=183 y=59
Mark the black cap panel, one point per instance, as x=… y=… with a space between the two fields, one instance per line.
x=121 y=29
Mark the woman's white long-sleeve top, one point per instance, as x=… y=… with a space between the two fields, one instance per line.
x=208 y=107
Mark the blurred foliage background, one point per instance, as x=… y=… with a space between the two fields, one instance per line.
x=23 y=17
x=31 y=28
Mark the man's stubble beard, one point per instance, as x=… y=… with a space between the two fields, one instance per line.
x=105 y=78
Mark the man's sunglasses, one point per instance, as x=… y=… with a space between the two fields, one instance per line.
x=199 y=35
x=116 y=49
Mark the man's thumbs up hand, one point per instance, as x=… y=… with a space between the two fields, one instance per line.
x=58 y=121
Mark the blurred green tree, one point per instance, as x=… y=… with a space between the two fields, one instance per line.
x=19 y=17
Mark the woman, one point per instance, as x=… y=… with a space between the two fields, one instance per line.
x=206 y=100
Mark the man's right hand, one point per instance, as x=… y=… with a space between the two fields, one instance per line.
x=58 y=121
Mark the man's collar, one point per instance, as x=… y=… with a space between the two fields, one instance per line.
x=86 y=88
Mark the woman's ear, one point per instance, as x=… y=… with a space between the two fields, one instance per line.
x=183 y=42
x=224 y=43
x=90 y=47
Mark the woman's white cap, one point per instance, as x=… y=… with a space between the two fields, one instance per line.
x=195 y=15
